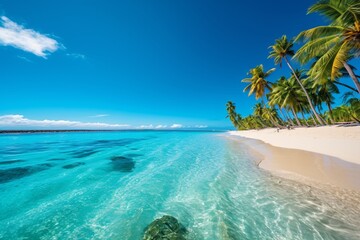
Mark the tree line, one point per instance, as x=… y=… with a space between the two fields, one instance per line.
x=305 y=98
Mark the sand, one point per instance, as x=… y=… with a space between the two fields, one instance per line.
x=329 y=155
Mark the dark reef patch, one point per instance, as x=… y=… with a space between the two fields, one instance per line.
x=133 y=155
x=84 y=153
x=166 y=227
x=114 y=143
x=122 y=163
x=23 y=148
x=73 y=165
x=8 y=175
x=56 y=159
x=11 y=162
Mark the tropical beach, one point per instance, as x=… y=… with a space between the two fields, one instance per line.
x=326 y=155
x=180 y=120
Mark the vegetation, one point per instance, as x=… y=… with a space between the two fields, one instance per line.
x=306 y=97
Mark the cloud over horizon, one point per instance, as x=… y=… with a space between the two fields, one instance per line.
x=17 y=120
x=29 y=40
x=161 y=126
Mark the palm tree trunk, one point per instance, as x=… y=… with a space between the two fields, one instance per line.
x=302 y=114
x=296 y=117
x=289 y=117
x=304 y=90
x=261 y=122
x=330 y=112
x=283 y=115
x=273 y=122
x=312 y=116
x=345 y=85
x=352 y=75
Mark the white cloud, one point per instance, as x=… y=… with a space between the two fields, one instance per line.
x=99 y=115
x=76 y=55
x=24 y=59
x=200 y=126
x=149 y=126
x=175 y=125
x=15 y=35
x=160 y=126
x=21 y=121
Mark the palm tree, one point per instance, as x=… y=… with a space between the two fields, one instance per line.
x=230 y=108
x=325 y=94
x=239 y=121
x=334 y=44
x=275 y=100
x=271 y=115
x=280 y=50
x=258 y=112
x=258 y=83
x=325 y=80
x=288 y=94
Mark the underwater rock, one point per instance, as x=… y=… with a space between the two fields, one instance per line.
x=114 y=142
x=166 y=227
x=73 y=165
x=56 y=159
x=8 y=175
x=11 y=162
x=133 y=155
x=84 y=153
x=122 y=164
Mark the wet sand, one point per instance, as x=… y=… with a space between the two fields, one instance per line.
x=305 y=166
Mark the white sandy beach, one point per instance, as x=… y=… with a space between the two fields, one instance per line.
x=329 y=155
x=339 y=142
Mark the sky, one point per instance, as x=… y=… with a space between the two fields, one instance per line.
x=136 y=64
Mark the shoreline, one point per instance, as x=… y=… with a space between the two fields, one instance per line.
x=284 y=159
x=337 y=141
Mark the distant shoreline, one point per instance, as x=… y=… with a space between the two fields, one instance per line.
x=51 y=131
x=105 y=130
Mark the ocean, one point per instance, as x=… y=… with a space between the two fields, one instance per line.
x=112 y=185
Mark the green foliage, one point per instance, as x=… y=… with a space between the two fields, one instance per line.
x=257 y=82
x=329 y=48
x=332 y=45
x=281 y=49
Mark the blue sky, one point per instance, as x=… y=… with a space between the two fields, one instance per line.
x=135 y=63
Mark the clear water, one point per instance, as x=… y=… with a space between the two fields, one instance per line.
x=66 y=186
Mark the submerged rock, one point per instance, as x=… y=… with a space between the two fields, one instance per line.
x=166 y=227
x=11 y=162
x=11 y=174
x=84 y=153
x=73 y=165
x=122 y=163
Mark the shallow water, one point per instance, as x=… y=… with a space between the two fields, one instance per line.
x=111 y=185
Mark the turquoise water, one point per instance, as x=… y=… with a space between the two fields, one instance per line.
x=111 y=185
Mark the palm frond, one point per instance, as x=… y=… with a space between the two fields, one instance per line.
x=339 y=59
x=315 y=48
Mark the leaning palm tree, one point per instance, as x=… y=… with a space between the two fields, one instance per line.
x=257 y=82
x=288 y=94
x=275 y=100
x=271 y=115
x=258 y=113
x=232 y=115
x=325 y=94
x=335 y=44
x=280 y=50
